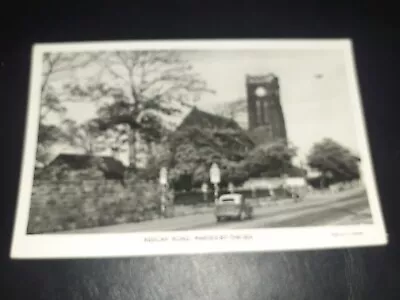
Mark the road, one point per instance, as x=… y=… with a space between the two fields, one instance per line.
x=341 y=209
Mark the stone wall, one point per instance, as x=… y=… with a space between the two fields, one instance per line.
x=68 y=205
x=58 y=206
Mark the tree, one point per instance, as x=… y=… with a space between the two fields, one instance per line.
x=58 y=64
x=196 y=147
x=153 y=83
x=48 y=135
x=186 y=158
x=187 y=164
x=333 y=160
x=54 y=64
x=271 y=159
x=112 y=121
x=153 y=132
x=191 y=164
x=236 y=173
x=231 y=171
x=160 y=157
x=201 y=175
x=86 y=136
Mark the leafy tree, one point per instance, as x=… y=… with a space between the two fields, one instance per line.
x=196 y=148
x=48 y=135
x=186 y=158
x=112 y=122
x=194 y=162
x=334 y=161
x=201 y=175
x=271 y=159
x=86 y=136
x=230 y=172
x=160 y=157
x=57 y=64
x=54 y=65
x=193 y=153
x=147 y=85
x=236 y=173
x=188 y=164
x=154 y=134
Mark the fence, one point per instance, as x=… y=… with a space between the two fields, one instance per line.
x=197 y=197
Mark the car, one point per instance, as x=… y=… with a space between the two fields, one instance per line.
x=233 y=206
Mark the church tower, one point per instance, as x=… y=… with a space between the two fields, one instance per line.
x=266 y=120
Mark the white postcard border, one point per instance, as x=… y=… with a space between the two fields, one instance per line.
x=139 y=244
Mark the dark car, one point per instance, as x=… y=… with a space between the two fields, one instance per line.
x=233 y=206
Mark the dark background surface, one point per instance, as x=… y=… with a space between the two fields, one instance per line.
x=368 y=273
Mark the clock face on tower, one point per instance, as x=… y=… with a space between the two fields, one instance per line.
x=260 y=91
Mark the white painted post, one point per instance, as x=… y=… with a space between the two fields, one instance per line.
x=231 y=188
x=215 y=178
x=163 y=183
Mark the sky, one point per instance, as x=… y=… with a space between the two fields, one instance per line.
x=314 y=107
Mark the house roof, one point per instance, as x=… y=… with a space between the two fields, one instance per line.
x=84 y=161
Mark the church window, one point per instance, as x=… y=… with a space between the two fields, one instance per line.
x=268 y=130
x=265 y=111
x=259 y=112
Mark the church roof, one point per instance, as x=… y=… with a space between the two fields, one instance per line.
x=223 y=135
x=203 y=119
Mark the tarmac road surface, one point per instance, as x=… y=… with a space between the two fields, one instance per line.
x=341 y=209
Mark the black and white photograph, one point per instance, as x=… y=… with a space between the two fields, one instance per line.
x=164 y=147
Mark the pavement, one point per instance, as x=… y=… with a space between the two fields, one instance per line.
x=343 y=208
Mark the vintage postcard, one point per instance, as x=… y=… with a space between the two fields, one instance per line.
x=194 y=146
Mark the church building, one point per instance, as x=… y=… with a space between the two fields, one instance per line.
x=221 y=134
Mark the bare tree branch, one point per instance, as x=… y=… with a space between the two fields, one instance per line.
x=155 y=83
x=55 y=63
